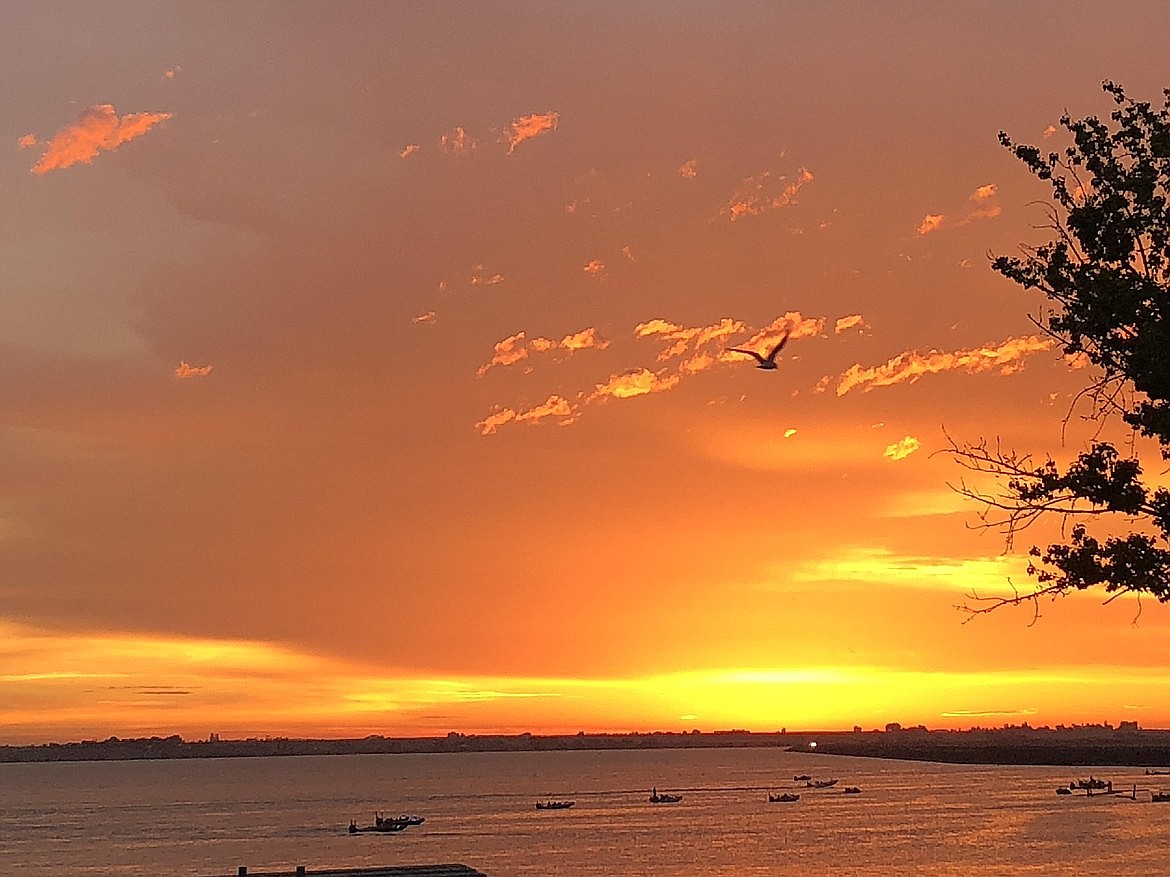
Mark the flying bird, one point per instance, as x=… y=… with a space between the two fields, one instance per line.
x=766 y=362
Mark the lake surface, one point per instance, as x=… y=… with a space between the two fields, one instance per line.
x=207 y=817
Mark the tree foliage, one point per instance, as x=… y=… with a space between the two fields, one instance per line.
x=1106 y=274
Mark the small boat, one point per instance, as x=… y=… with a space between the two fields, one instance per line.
x=782 y=798
x=851 y=790
x=803 y=778
x=554 y=805
x=1151 y=772
x=664 y=798
x=820 y=784
x=382 y=826
x=1160 y=796
x=1063 y=790
x=1091 y=783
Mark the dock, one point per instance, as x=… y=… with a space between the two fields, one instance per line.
x=384 y=871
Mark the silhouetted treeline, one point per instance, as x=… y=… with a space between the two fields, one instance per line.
x=1078 y=745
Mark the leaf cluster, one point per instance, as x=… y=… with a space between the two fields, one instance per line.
x=1106 y=272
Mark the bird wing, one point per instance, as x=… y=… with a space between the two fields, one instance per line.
x=779 y=346
x=750 y=353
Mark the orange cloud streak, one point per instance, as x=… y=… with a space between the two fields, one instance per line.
x=96 y=129
x=515 y=348
x=185 y=370
x=902 y=448
x=758 y=194
x=527 y=127
x=911 y=365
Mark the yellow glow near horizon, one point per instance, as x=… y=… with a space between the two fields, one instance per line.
x=164 y=686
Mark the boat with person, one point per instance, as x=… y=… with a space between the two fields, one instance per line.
x=782 y=798
x=663 y=798
x=1160 y=796
x=554 y=805
x=851 y=790
x=820 y=784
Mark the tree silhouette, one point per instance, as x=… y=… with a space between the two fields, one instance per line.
x=1106 y=274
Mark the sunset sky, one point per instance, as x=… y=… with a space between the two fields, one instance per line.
x=363 y=369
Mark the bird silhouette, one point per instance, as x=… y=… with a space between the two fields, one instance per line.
x=766 y=362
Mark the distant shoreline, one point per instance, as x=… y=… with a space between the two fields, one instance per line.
x=1081 y=745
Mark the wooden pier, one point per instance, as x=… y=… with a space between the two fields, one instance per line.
x=385 y=871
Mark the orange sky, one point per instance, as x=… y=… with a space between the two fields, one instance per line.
x=363 y=370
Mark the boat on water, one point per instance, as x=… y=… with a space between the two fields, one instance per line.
x=1160 y=796
x=851 y=790
x=782 y=798
x=1153 y=772
x=801 y=778
x=820 y=784
x=663 y=798
x=383 y=827
x=386 y=824
x=1064 y=790
x=554 y=805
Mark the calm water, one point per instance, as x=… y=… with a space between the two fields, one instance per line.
x=206 y=817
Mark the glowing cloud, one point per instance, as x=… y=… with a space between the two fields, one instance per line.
x=911 y=365
x=27 y=141
x=902 y=448
x=844 y=324
x=527 y=127
x=930 y=222
x=633 y=383
x=428 y=317
x=554 y=406
x=515 y=348
x=689 y=169
x=96 y=129
x=185 y=370
x=170 y=74
x=985 y=207
x=409 y=150
x=764 y=192
x=629 y=254
x=594 y=268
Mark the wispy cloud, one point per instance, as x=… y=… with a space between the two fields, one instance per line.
x=554 y=406
x=684 y=351
x=638 y=382
x=526 y=127
x=1006 y=357
x=594 y=267
x=844 y=324
x=902 y=448
x=764 y=192
x=517 y=347
x=185 y=370
x=27 y=141
x=689 y=169
x=930 y=222
x=981 y=205
x=96 y=129
x=428 y=317
x=409 y=149
x=458 y=142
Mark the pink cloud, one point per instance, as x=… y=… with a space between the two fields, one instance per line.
x=97 y=128
x=428 y=317
x=689 y=169
x=632 y=383
x=409 y=150
x=594 y=268
x=27 y=141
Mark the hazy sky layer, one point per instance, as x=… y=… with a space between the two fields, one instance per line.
x=363 y=366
